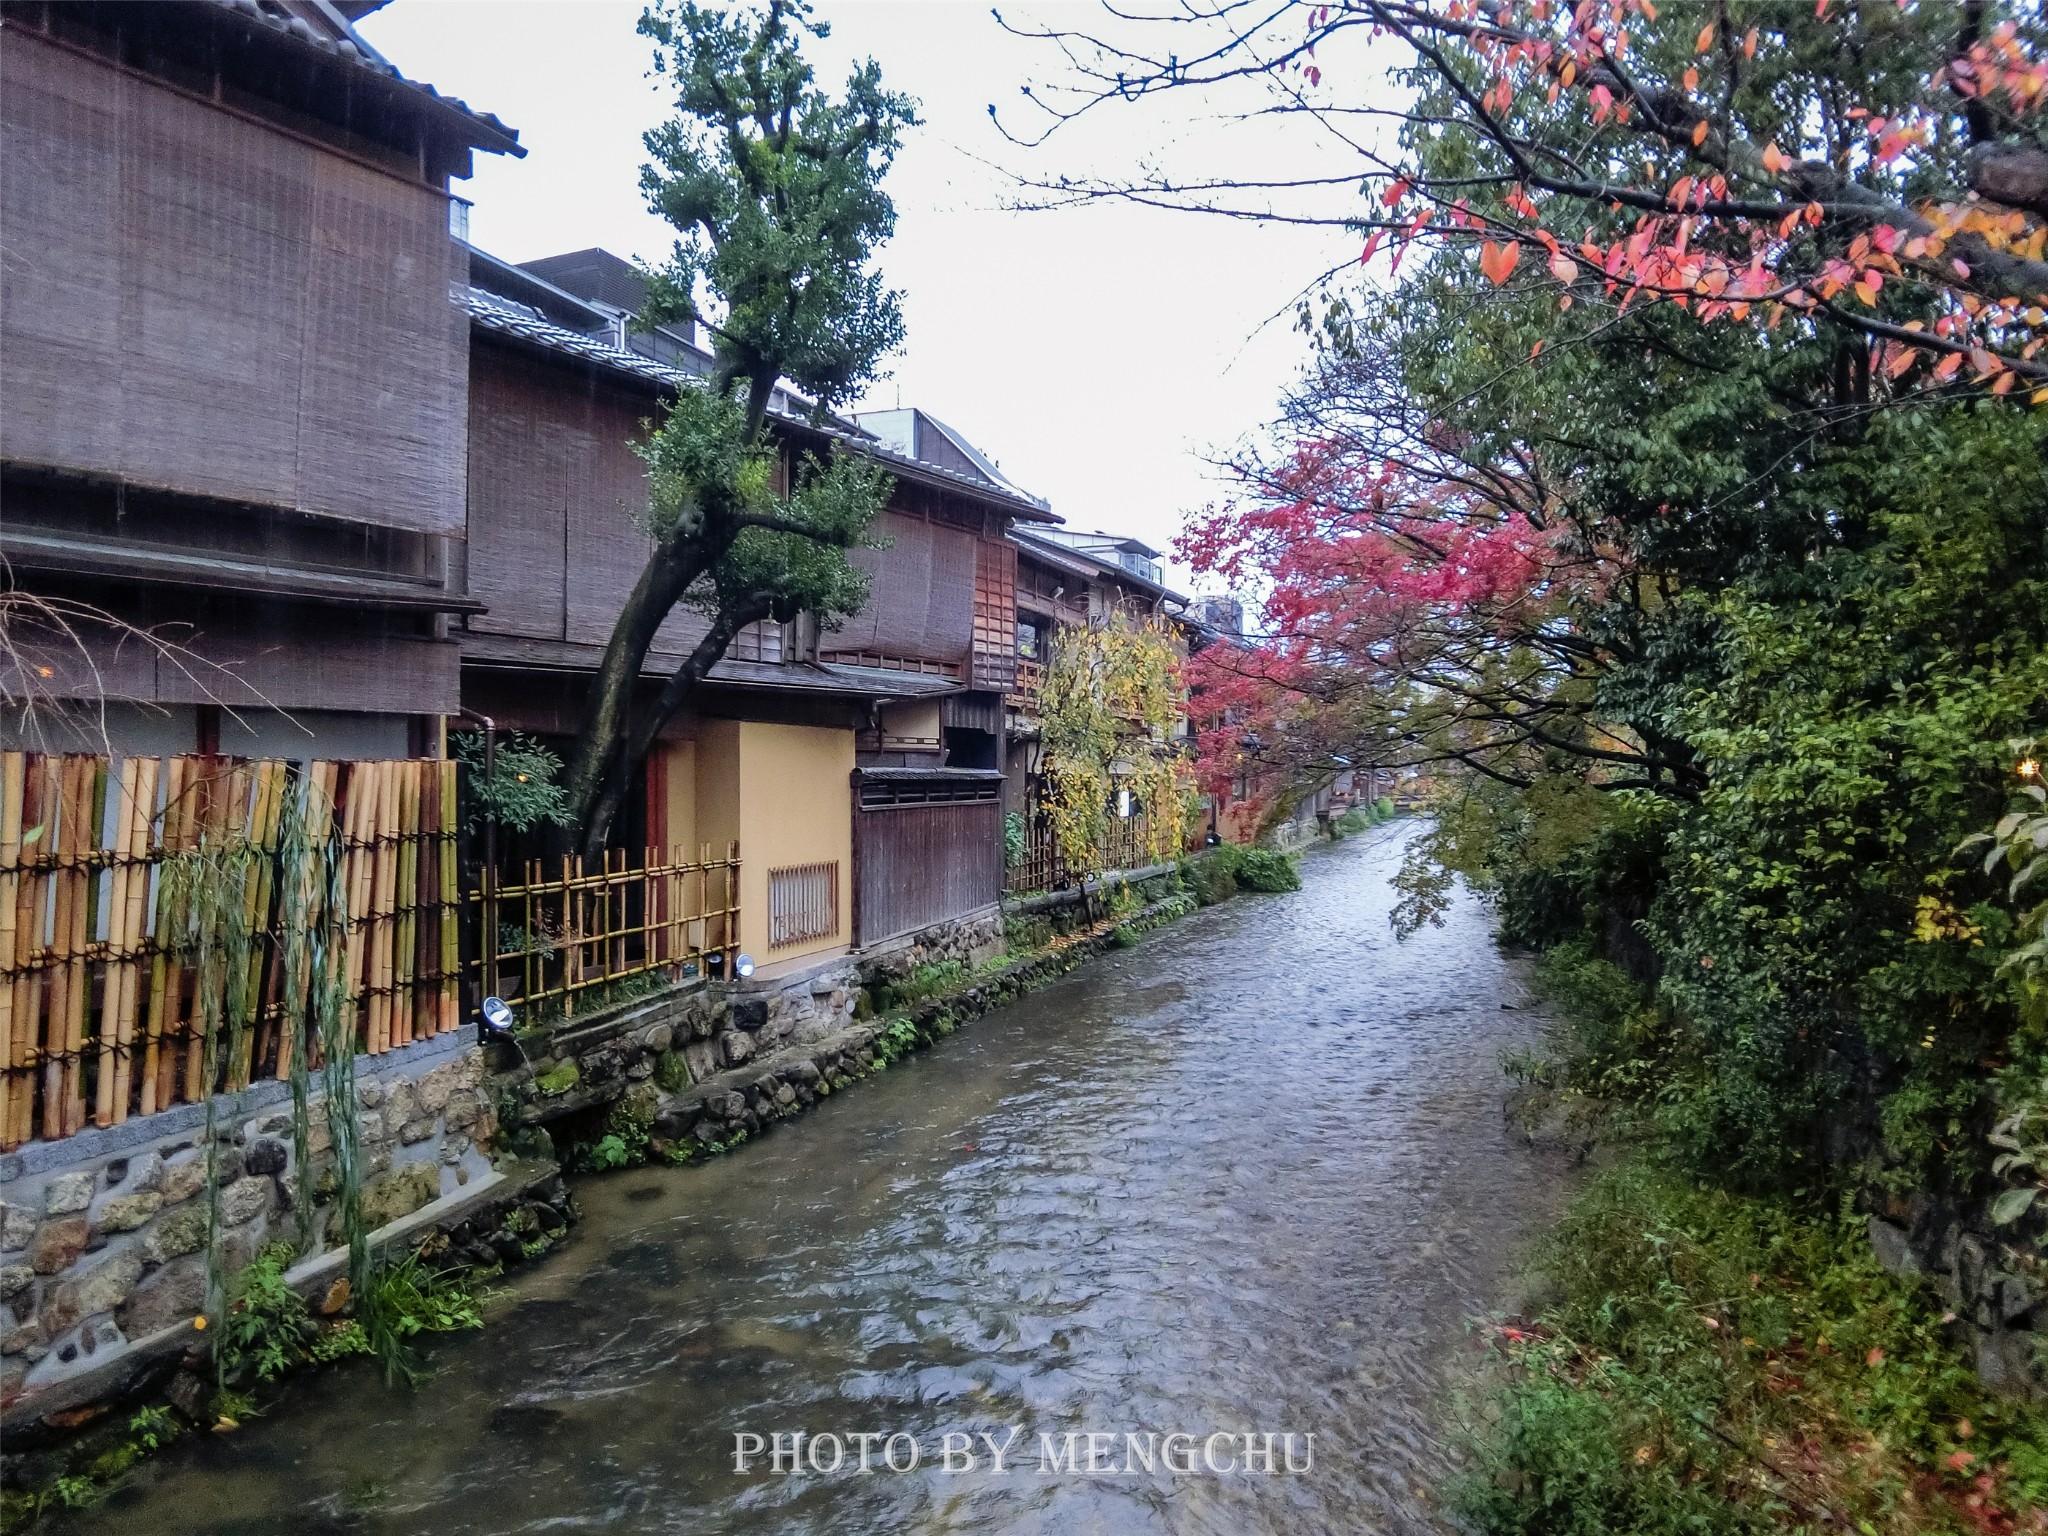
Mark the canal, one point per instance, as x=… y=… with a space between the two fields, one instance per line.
x=1249 y=1176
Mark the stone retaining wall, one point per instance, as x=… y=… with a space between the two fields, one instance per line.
x=713 y=1029
x=102 y=1234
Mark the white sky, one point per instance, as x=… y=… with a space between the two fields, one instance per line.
x=1096 y=354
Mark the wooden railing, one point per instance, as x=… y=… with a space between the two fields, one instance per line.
x=150 y=905
x=563 y=937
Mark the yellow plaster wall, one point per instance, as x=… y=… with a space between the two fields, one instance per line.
x=785 y=792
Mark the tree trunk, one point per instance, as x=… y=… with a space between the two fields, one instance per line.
x=641 y=731
x=606 y=716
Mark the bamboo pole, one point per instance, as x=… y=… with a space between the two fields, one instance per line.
x=164 y=976
x=363 y=794
x=13 y=1087
x=43 y=780
x=405 y=854
x=134 y=927
x=119 y=813
x=385 y=899
x=57 y=1022
x=451 y=899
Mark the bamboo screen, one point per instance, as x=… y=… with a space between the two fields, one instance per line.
x=216 y=308
x=141 y=897
x=569 y=937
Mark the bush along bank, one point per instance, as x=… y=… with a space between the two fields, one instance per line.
x=1710 y=1359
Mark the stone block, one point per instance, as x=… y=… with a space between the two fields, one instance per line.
x=124 y=1213
x=184 y=1180
x=750 y=1012
x=1892 y=1249
x=180 y=1232
x=174 y=1294
x=17 y=1228
x=58 y=1244
x=100 y=1289
x=15 y=1279
x=244 y=1201
x=401 y=1104
x=416 y=1130
x=736 y=1047
x=657 y=1038
x=28 y=1341
x=438 y=1086
x=462 y=1109
x=144 y=1173
x=266 y=1156
x=68 y=1192
x=398 y=1193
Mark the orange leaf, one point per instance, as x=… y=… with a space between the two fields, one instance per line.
x=1706 y=40
x=1563 y=268
x=1901 y=361
x=1699 y=133
x=1946 y=368
x=1749 y=44
x=1775 y=159
x=1533 y=351
x=1498 y=261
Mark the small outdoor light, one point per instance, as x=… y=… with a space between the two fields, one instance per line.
x=497 y=1024
x=714 y=965
x=743 y=967
x=1123 y=804
x=2028 y=768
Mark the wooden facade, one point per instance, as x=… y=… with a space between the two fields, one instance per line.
x=924 y=853
x=235 y=382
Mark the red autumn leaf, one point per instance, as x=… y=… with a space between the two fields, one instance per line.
x=1498 y=261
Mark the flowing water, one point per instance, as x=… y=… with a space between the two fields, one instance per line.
x=1250 y=1176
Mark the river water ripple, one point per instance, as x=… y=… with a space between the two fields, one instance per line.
x=1249 y=1176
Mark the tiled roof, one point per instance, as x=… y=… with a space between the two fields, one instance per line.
x=492 y=133
x=507 y=318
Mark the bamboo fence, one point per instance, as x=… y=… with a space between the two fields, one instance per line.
x=566 y=934
x=1127 y=845
x=101 y=940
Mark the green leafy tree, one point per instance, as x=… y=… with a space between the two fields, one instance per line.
x=775 y=190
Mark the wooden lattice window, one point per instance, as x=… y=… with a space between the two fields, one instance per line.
x=803 y=903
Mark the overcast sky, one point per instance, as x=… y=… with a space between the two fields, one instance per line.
x=1096 y=354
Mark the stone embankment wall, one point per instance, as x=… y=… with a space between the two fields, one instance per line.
x=102 y=1235
x=1992 y=1286
x=714 y=1030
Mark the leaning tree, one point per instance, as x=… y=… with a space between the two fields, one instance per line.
x=775 y=190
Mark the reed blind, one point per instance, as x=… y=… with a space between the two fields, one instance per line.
x=217 y=309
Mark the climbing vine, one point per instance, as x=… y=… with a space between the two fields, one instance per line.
x=1111 y=698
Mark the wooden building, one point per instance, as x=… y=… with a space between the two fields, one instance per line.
x=234 y=381
x=860 y=768
x=1065 y=578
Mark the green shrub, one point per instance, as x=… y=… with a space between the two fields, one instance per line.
x=1694 y=1331
x=1266 y=869
x=1211 y=877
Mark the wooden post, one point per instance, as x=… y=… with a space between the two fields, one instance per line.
x=451 y=900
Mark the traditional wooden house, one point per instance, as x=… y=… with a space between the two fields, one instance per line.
x=235 y=383
x=858 y=769
x=1067 y=577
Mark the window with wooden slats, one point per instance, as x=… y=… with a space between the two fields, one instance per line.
x=803 y=903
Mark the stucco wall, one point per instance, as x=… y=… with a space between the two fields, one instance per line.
x=785 y=791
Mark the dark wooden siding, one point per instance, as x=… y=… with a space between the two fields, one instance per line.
x=197 y=303
x=919 y=865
